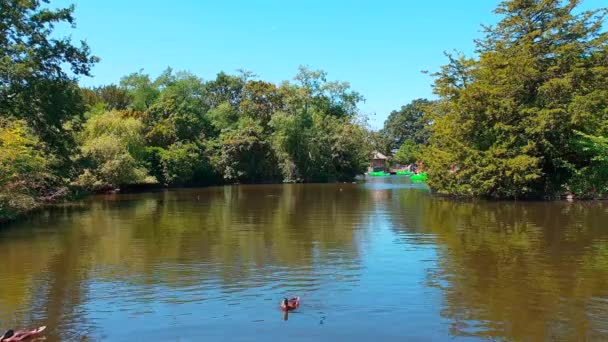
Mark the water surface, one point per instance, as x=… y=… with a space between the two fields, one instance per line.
x=381 y=260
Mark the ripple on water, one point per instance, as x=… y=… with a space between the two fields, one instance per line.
x=375 y=261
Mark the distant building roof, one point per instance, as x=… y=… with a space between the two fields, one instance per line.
x=378 y=155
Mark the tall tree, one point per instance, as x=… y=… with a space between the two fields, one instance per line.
x=142 y=90
x=408 y=123
x=38 y=69
x=225 y=88
x=260 y=100
x=506 y=121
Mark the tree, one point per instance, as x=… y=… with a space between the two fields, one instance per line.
x=242 y=154
x=113 y=152
x=25 y=170
x=319 y=147
x=223 y=117
x=179 y=109
x=315 y=92
x=34 y=81
x=408 y=123
x=590 y=179
x=141 y=89
x=316 y=136
x=505 y=123
x=407 y=153
x=260 y=100
x=180 y=163
x=349 y=148
x=225 y=88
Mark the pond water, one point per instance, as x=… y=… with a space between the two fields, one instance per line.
x=377 y=260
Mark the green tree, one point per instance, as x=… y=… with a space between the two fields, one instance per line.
x=407 y=153
x=34 y=61
x=224 y=89
x=319 y=147
x=243 y=154
x=591 y=177
x=182 y=163
x=316 y=136
x=141 y=89
x=223 y=117
x=179 y=110
x=314 y=92
x=261 y=100
x=408 y=123
x=112 y=152
x=25 y=170
x=506 y=121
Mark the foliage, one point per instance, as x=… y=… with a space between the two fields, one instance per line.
x=407 y=153
x=224 y=89
x=41 y=105
x=141 y=89
x=591 y=180
x=112 y=152
x=25 y=170
x=408 y=123
x=261 y=100
x=319 y=147
x=223 y=117
x=181 y=163
x=234 y=126
x=111 y=96
x=505 y=122
x=178 y=113
x=34 y=82
x=242 y=154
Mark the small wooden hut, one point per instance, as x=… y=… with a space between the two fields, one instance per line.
x=378 y=162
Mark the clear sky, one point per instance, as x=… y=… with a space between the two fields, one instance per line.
x=380 y=46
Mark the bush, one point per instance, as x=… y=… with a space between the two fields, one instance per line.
x=25 y=170
x=180 y=162
x=112 y=152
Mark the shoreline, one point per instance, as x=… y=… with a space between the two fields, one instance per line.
x=150 y=188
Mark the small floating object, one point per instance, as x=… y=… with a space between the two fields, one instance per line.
x=421 y=177
x=379 y=174
x=21 y=335
x=290 y=304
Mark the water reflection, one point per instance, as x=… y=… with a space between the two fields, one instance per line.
x=228 y=245
x=376 y=260
x=525 y=271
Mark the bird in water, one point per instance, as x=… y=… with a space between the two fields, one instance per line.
x=290 y=304
x=21 y=335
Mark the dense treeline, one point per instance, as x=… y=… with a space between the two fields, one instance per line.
x=57 y=139
x=527 y=117
x=179 y=130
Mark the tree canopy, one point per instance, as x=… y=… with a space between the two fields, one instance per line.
x=507 y=120
x=38 y=69
x=409 y=123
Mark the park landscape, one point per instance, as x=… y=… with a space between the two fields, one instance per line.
x=192 y=206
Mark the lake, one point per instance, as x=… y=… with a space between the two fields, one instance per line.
x=380 y=260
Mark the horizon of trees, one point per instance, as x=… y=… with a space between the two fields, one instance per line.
x=526 y=117
x=58 y=140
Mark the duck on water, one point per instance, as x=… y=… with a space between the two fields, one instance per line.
x=21 y=335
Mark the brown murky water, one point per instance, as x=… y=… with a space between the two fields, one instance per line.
x=381 y=260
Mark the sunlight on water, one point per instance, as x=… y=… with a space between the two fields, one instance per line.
x=377 y=260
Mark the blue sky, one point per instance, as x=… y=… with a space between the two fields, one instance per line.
x=380 y=47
